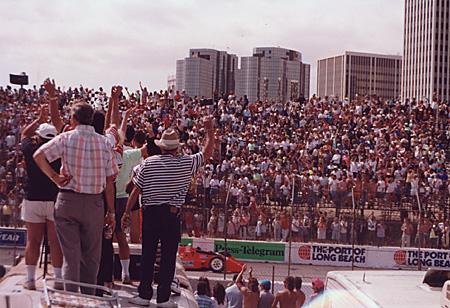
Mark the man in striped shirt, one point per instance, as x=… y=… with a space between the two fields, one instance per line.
x=88 y=170
x=163 y=181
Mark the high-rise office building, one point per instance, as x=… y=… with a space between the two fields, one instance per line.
x=273 y=73
x=425 y=50
x=206 y=70
x=359 y=73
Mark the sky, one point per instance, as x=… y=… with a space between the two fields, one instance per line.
x=106 y=42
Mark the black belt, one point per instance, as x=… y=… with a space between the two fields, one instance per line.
x=173 y=209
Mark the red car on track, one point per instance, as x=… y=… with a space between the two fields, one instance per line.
x=198 y=259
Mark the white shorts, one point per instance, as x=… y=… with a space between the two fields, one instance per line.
x=37 y=211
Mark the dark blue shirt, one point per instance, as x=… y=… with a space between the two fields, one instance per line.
x=38 y=186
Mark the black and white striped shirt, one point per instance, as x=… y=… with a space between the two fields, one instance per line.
x=165 y=179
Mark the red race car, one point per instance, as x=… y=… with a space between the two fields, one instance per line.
x=197 y=259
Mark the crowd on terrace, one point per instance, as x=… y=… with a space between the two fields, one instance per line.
x=374 y=152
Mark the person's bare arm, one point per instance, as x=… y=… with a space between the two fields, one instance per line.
x=131 y=201
x=115 y=114
x=149 y=128
x=31 y=128
x=123 y=126
x=58 y=179
x=109 y=196
x=239 y=278
x=108 y=112
x=55 y=116
x=129 y=186
x=129 y=95
x=276 y=300
x=143 y=149
x=209 y=144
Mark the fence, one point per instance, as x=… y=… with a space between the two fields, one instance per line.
x=376 y=236
x=362 y=219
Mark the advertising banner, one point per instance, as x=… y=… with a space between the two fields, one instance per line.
x=409 y=258
x=329 y=254
x=8 y=237
x=322 y=254
x=186 y=241
x=252 y=250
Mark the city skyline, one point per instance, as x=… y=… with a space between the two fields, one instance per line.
x=104 y=43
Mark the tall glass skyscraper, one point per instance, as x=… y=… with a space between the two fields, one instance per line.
x=425 y=50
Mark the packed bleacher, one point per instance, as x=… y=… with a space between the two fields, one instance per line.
x=283 y=169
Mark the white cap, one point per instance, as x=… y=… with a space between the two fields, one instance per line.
x=47 y=131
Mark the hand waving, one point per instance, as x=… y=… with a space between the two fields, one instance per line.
x=115 y=91
x=208 y=122
x=50 y=87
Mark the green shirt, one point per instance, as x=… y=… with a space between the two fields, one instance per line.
x=130 y=159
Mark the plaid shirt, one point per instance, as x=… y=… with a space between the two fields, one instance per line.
x=85 y=155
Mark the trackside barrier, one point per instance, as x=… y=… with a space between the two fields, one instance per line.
x=327 y=254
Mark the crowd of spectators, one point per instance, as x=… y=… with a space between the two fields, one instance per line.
x=266 y=223
x=251 y=293
x=377 y=153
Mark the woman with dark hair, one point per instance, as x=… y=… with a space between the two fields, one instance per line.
x=219 y=296
x=208 y=286
x=202 y=297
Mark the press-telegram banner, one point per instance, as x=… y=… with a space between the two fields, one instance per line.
x=186 y=241
x=253 y=250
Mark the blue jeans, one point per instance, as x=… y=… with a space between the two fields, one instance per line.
x=158 y=224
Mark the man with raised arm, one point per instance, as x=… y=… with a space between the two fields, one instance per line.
x=40 y=193
x=88 y=169
x=250 y=295
x=163 y=180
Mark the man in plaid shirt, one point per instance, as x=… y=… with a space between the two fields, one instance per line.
x=88 y=170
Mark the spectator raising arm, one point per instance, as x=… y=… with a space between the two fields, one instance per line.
x=31 y=128
x=112 y=114
x=209 y=146
x=55 y=117
x=123 y=126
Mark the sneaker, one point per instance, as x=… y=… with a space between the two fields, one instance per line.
x=126 y=280
x=169 y=304
x=175 y=286
x=29 y=285
x=139 y=301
